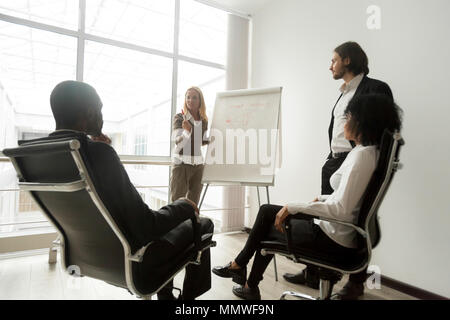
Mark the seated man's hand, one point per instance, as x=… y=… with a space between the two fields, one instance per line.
x=102 y=138
x=192 y=203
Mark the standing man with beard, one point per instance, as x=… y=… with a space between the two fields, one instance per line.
x=349 y=63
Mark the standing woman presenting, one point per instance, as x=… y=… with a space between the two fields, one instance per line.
x=189 y=128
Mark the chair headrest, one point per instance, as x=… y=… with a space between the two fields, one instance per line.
x=389 y=151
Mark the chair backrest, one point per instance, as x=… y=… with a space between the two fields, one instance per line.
x=388 y=163
x=56 y=176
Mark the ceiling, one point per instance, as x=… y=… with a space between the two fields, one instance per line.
x=243 y=6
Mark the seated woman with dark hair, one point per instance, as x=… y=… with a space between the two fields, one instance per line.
x=367 y=118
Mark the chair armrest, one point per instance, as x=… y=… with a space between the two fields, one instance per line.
x=302 y=215
x=139 y=255
x=197 y=234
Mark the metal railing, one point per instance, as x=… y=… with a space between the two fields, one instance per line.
x=125 y=159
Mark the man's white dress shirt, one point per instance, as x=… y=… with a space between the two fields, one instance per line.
x=338 y=142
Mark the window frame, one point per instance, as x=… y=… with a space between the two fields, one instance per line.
x=81 y=37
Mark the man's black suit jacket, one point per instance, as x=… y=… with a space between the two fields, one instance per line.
x=366 y=86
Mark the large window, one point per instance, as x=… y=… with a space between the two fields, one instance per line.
x=140 y=55
x=149 y=23
x=203 y=32
x=133 y=86
x=59 y=13
x=32 y=62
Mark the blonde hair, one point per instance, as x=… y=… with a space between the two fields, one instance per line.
x=202 y=109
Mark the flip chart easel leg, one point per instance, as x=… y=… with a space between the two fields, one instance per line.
x=203 y=197
x=267 y=192
x=259 y=200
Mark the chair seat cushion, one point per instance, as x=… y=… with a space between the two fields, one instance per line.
x=350 y=263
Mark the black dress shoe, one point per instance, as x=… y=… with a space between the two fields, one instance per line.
x=239 y=276
x=351 y=291
x=311 y=280
x=247 y=293
x=165 y=296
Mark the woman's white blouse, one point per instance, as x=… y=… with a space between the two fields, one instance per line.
x=186 y=140
x=349 y=183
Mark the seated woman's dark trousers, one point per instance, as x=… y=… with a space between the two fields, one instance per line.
x=305 y=233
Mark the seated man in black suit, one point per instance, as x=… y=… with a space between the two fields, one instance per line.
x=76 y=108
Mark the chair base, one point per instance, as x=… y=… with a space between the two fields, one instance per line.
x=325 y=287
x=297 y=295
x=52 y=255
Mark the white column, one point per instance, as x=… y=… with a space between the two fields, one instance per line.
x=236 y=78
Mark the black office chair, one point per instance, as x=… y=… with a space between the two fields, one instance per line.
x=92 y=243
x=331 y=269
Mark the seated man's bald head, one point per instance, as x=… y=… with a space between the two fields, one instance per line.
x=76 y=106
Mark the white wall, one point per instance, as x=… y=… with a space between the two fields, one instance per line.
x=292 y=45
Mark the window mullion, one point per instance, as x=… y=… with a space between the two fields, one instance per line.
x=175 y=66
x=176 y=36
x=81 y=40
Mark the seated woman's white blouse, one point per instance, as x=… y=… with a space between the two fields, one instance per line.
x=349 y=183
